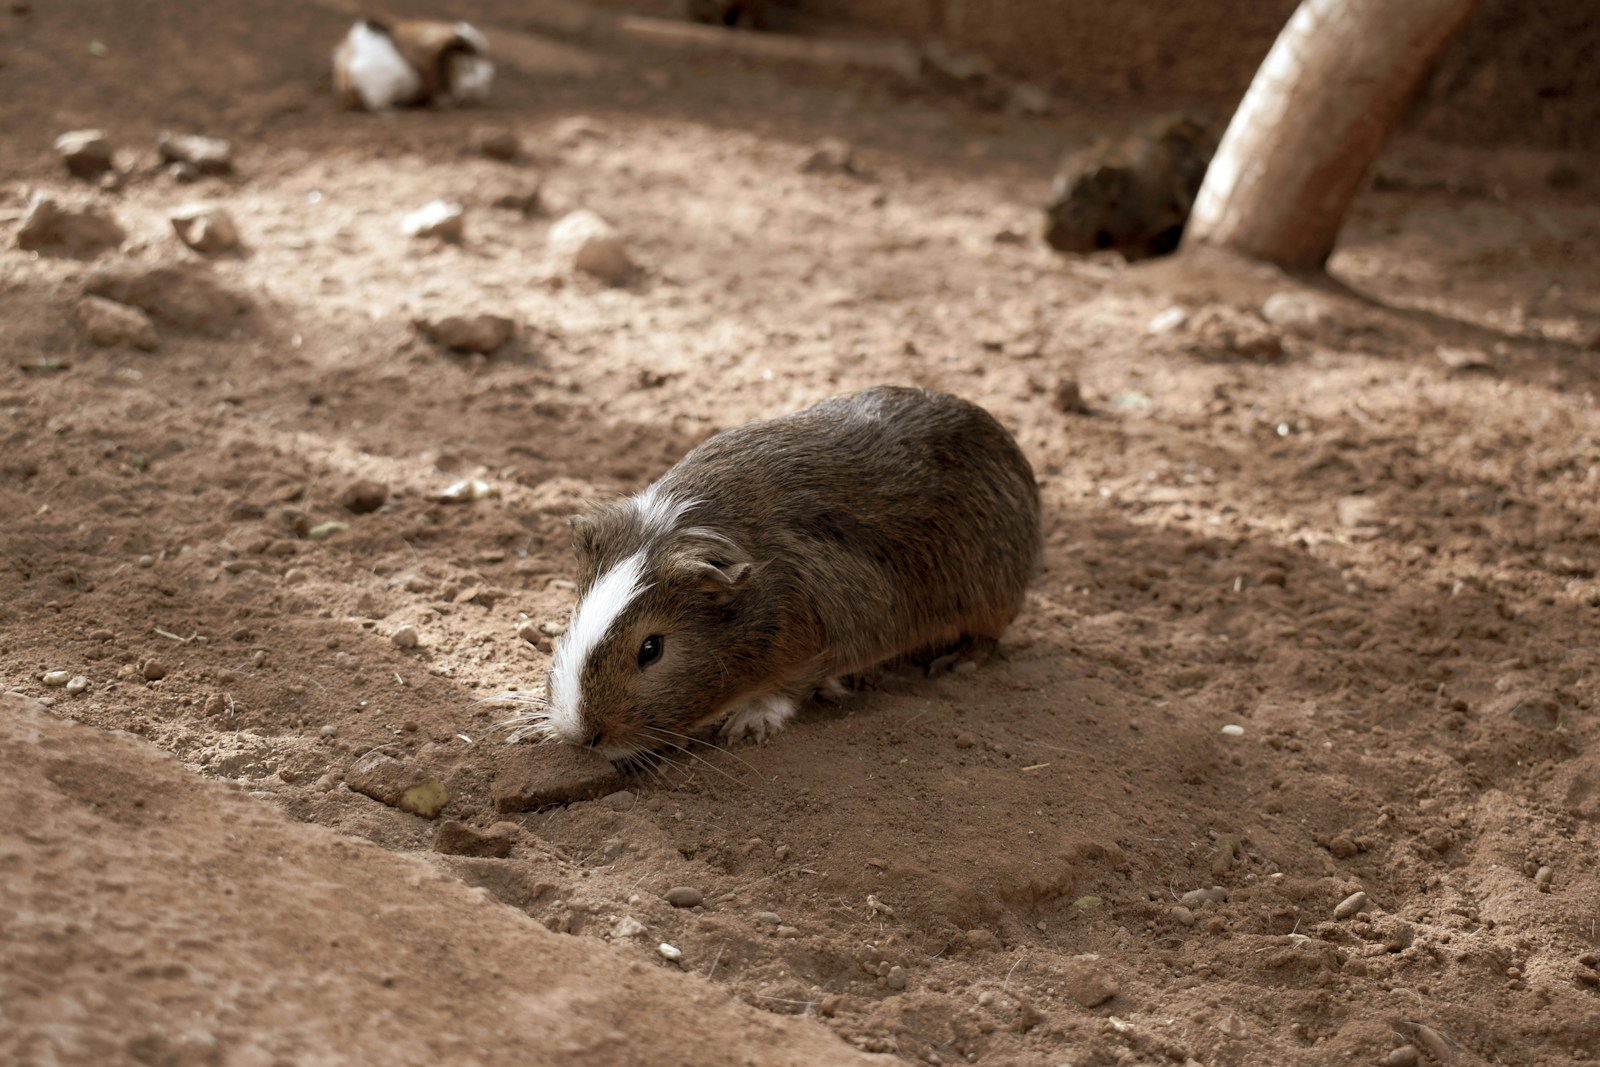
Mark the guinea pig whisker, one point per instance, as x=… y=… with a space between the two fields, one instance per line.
x=658 y=736
x=664 y=733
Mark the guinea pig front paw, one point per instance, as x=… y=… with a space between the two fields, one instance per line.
x=760 y=718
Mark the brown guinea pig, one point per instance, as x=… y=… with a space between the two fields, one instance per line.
x=781 y=556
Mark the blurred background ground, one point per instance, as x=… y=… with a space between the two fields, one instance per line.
x=1357 y=522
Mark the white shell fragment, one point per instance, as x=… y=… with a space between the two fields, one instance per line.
x=669 y=952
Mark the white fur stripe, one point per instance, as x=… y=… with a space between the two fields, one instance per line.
x=658 y=511
x=591 y=621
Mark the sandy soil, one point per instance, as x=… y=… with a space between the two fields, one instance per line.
x=1363 y=538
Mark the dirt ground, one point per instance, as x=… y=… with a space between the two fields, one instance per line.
x=1316 y=617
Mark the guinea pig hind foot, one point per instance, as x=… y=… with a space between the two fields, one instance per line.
x=973 y=650
x=760 y=717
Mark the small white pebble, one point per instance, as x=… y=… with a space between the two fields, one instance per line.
x=329 y=730
x=404 y=637
x=669 y=952
x=147 y=561
x=54 y=678
x=77 y=685
x=1233 y=730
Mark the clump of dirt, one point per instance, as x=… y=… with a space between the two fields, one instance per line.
x=1316 y=616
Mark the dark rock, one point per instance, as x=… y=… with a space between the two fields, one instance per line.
x=206 y=229
x=469 y=333
x=1068 y=398
x=1088 y=982
x=49 y=227
x=364 y=496
x=108 y=324
x=207 y=155
x=187 y=297
x=87 y=153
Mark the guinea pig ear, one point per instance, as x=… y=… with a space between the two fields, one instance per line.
x=714 y=565
x=584 y=533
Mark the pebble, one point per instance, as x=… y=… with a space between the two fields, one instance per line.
x=498 y=144
x=1294 y=310
x=528 y=631
x=1181 y=915
x=78 y=684
x=1404 y=1056
x=329 y=730
x=621 y=800
x=108 y=324
x=683 y=896
x=152 y=669
x=206 y=229
x=207 y=155
x=458 y=839
x=482 y=333
x=1168 y=320
x=896 y=978
x=768 y=918
x=1196 y=897
x=1068 y=398
x=1087 y=981
x=669 y=952
x=583 y=241
x=528 y=777
x=1343 y=846
x=47 y=226
x=628 y=926
x=552 y=629
x=146 y=561
x=443 y=219
x=185 y=296
x=399 y=785
x=1543 y=877
x=1464 y=359
x=787 y=932
x=981 y=940
x=363 y=497
x=1233 y=730
x=831 y=155
x=87 y=153
x=525 y=200
x=404 y=637
x=1350 y=905
x=56 y=678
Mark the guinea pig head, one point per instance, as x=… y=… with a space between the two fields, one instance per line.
x=640 y=666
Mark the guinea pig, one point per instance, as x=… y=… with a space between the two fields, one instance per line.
x=1133 y=194
x=779 y=557
x=380 y=65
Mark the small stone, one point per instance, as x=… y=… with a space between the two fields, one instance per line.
x=1233 y=729
x=1068 y=398
x=185 y=296
x=443 y=219
x=528 y=777
x=1543 y=876
x=1167 y=320
x=896 y=978
x=207 y=155
x=109 y=324
x=831 y=155
x=1396 y=934
x=528 y=631
x=324 y=530
x=78 y=684
x=206 y=229
x=583 y=241
x=498 y=144
x=47 y=226
x=152 y=669
x=621 y=800
x=87 y=153
x=329 y=730
x=669 y=952
x=183 y=173
x=525 y=201
x=404 y=637
x=1343 y=847
x=399 y=785
x=458 y=839
x=56 y=678
x=1296 y=310
x=768 y=918
x=981 y=940
x=1350 y=905
x=628 y=926
x=364 y=497
x=1404 y=1056
x=1196 y=897
x=1181 y=915
x=1087 y=981
x=467 y=490
x=481 y=333
x=552 y=629
x=1357 y=511
x=683 y=896
x=1464 y=359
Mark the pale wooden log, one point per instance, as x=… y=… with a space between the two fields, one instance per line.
x=1312 y=124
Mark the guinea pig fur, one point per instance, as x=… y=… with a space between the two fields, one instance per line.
x=777 y=558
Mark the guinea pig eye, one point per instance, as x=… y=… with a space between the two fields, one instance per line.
x=650 y=651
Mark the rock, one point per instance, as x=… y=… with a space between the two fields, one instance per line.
x=981 y=940
x=628 y=926
x=56 y=678
x=49 y=227
x=109 y=323
x=1181 y=915
x=1196 y=897
x=207 y=155
x=1357 y=511
x=683 y=896
x=183 y=173
x=152 y=669
x=404 y=637
x=1296 y=310
x=1395 y=933
x=831 y=155
x=1404 y=1056
x=186 y=297
x=528 y=777
x=583 y=241
x=896 y=979
x=458 y=839
x=1343 y=847
x=1167 y=320
x=769 y=918
x=399 y=785
x=363 y=497
x=1464 y=359
x=87 y=153
x=482 y=333
x=208 y=230
x=1087 y=981
x=526 y=201
x=499 y=144
x=442 y=219
x=78 y=684
x=1068 y=398
x=621 y=800
x=1351 y=905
